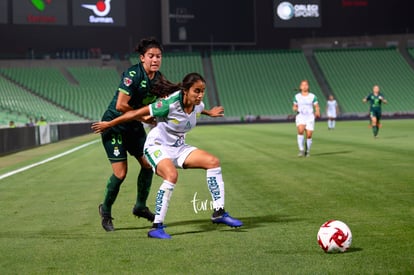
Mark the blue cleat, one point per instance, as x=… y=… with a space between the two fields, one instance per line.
x=227 y=220
x=158 y=233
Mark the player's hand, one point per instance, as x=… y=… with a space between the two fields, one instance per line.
x=217 y=111
x=99 y=127
x=380 y=98
x=317 y=114
x=149 y=120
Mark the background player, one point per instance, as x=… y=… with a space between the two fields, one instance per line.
x=332 y=110
x=375 y=101
x=304 y=104
x=166 y=149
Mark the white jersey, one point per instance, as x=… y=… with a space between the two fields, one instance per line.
x=305 y=103
x=331 y=108
x=172 y=122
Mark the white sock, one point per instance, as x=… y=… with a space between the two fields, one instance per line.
x=215 y=184
x=162 y=200
x=300 y=142
x=309 y=144
x=329 y=123
x=333 y=124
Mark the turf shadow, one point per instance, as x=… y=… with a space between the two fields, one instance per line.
x=331 y=153
x=205 y=225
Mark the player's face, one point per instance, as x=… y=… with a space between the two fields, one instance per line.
x=151 y=60
x=196 y=93
x=375 y=90
x=304 y=86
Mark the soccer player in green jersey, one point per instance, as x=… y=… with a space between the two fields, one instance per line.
x=166 y=149
x=134 y=92
x=375 y=100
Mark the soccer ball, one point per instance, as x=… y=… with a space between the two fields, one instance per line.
x=334 y=236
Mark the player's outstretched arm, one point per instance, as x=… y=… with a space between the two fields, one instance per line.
x=217 y=111
x=99 y=127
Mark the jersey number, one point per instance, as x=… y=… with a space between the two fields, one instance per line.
x=116 y=139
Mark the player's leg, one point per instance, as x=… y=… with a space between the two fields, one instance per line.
x=300 y=139
x=378 y=123
x=333 y=121
x=374 y=125
x=117 y=156
x=201 y=159
x=135 y=145
x=310 y=125
x=165 y=168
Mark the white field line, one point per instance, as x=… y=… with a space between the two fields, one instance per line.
x=14 y=172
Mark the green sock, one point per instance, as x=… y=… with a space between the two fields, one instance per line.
x=375 y=130
x=111 y=192
x=143 y=187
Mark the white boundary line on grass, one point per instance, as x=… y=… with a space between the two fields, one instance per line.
x=11 y=173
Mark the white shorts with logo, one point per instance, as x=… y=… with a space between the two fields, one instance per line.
x=307 y=120
x=155 y=153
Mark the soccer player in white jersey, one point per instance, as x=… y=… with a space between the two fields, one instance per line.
x=332 y=110
x=166 y=150
x=304 y=104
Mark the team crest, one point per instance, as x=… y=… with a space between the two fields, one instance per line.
x=127 y=81
x=157 y=153
x=116 y=152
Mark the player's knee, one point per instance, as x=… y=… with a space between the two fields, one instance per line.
x=172 y=176
x=213 y=162
x=120 y=174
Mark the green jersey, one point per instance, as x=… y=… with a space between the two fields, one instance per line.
x=136 y=84
x=375 y=102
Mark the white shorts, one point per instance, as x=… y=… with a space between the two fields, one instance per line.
x=155 y=153
x=308 y=121
x=331 y=114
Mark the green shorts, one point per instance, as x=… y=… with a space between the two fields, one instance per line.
x=118 y=143
x=375 y=113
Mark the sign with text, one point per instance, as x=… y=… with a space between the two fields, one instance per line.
x=297 y=14
x=99 y=13
x=40 y=12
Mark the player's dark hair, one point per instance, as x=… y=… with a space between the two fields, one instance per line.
x=163 y=87
x=148 y=43
x=190 y=79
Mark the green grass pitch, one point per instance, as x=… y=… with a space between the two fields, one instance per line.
x=50 y=225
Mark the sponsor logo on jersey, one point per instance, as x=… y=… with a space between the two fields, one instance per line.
x=143 y=84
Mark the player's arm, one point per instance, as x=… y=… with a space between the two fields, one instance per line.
x=99 y=127
x=317 y=109
x=383 y=99
x=295 y=107
x=217 y=111
x=365 y=99
x=122 y=102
